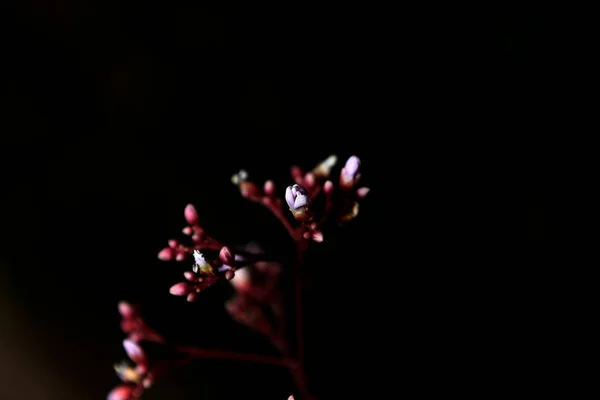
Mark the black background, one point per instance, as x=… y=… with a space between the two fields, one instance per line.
x=115 y=115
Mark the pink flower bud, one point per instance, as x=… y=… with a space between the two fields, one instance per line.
x=229 y=274
x=180 y=256
x=173 y=243
x=269 y=188
x=191 y=297
x=180 y=289
x=166 y=254
x=134 y=351
x=226 y=255
x=121 y=392
x=191 y=216
x=126 y=310
x=187 y=230
x=297 y=174
x=328 y=187
x=317 y=236
x=309 y=179
x=190 y=276
x=362 y=192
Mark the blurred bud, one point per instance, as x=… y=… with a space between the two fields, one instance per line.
x=269 y=188
x=297 y=200
x=229 y=274
x=239 y=177
x=317 y=236
x=226 y=255
x=328 y=187
x=180 y=289
x=165 y=254
x=126 y=310
x=190 y=276
x=122 y=392
x=323 y=169
x=191 y=216
x=126 y=373
x=134 y=351
x=362 y=192
x=242 y=280
x=350 y=173
x=191 y=297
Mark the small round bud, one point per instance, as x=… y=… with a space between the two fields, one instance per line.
x=166 y=254
x=226 y=255
x=191 y=216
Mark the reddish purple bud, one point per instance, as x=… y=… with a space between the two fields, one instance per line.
x=191 y=216
x=226 y=255
x=297 y=174
x=269 y=188
x=317 y=236
x=122 y=392
x=309 y=179
x=180 y=289
x=191 y=297
x=166 y=254
x=362 y=192
x=187 y=230
x=328 y=187
x=229 y=274
x=180 y=256
x=190 y=276
x=134 y=351
x=173 y=243
x=126 y=310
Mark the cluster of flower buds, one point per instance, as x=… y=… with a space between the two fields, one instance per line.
x=205 y=274
x=138 y=376
x=200 y=240
x=301 y=195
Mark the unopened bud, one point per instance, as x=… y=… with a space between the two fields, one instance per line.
x=191 y=216
x=296 y=197
x=226 y=255
x=180 y=289
x=165 y=254
x=350 y=173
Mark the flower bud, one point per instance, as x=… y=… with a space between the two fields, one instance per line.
x=191 y=216
x=126 y=310
x=226 y=255
x=166 y=254
x=350 y=173
x=134 y=351
x=121 y=392
x=297 y=200
x=180 y=289
x=324 y=168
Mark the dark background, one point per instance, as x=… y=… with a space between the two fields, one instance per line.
x=115 y=115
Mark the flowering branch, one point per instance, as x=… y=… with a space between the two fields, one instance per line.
x=255 y=275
